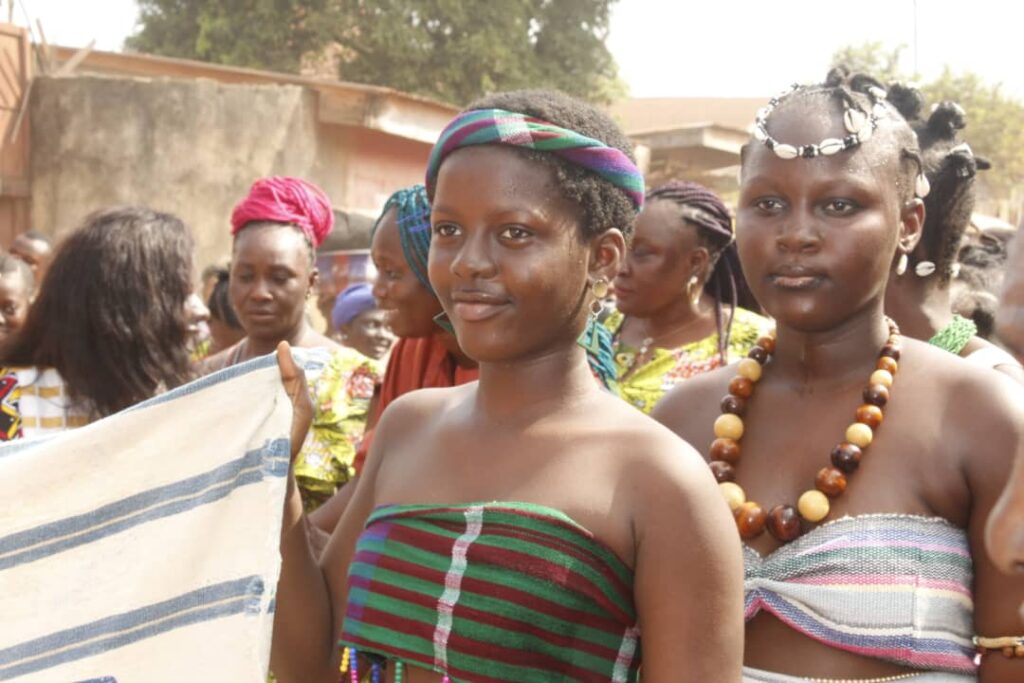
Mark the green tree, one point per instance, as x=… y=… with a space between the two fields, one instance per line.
x=995 y=121
x=871 y=58
x=452 y=50
x=268 y=34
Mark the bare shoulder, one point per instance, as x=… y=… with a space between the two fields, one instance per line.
x=411 y=410
x=691 y=406
x=657 y=458
x=981 y=409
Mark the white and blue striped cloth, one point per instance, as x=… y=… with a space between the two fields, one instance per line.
x=144 y=547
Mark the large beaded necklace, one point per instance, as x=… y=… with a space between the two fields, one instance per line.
x=784 y=521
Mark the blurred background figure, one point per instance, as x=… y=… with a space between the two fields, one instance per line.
x=683 y=304
x=209 y=279
x=427 y=354
x=109 y=327
x=17 y=285
x=276 y=229
x=225 y=328
x=1004 y=534
x=360 y=324
x=922 y=299
x=35 y=249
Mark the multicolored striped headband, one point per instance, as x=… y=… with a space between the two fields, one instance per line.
x=500 y=127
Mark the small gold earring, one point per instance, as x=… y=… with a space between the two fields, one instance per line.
x=601 y=287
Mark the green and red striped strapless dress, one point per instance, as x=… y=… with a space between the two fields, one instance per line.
x=492 y=592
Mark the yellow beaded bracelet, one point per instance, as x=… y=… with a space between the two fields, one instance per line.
x=1010 y=646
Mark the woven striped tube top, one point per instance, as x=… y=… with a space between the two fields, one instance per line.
x=892 y=587
x=491 y=592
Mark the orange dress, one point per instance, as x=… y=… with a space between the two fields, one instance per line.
x=415 y=363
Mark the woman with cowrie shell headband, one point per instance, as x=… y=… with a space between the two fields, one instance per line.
x=918 y=298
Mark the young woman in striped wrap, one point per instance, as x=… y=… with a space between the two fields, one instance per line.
x=529 y=526
x=872 y=567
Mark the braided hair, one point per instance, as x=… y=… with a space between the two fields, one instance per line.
x=413 y=209
x=951 y=169
x=703 y=209
x=851 y=90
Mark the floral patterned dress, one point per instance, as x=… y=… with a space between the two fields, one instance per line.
x=644 y=386
x=341 y=386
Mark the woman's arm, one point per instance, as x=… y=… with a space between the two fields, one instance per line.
x=998 y=437
x=689 y=574
x=312 y=595
x=301 y=647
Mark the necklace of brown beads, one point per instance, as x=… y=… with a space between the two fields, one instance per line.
x=784 y=521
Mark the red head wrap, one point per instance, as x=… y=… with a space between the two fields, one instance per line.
x=281 y=199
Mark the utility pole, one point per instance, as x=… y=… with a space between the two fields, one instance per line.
x=916 y=72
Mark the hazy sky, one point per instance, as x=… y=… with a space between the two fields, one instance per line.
x=716 y=47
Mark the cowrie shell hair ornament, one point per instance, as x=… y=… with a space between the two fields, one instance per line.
x=859 y=125
x=924 y=268
x=921 y=186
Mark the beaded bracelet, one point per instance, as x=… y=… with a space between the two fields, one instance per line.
x=1011 y=646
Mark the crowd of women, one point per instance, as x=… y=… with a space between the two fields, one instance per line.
x=573 y=430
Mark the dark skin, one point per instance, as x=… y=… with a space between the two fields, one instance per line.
x=36 y=253
x=509 y=263
x=15 y=297
x=818 y=240
x=272 y=276
x=368 y=333
x=652 y=289
x=922 y=307
x=410 y=309
x=1005 y=532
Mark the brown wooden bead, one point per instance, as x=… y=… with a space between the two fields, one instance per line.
x=846 y=457
x=750 y=519
x=734 y=404
x=784 y=523
x=891 y=351
x=830 y=481
x=741 y=386
x=888 y=364
x=759 y=354
x=722 y=470
x=767 y=343
x=870 y=415
x=726 y=450
x=877 y=395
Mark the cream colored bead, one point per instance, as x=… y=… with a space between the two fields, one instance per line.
x=749 y=368
x=729 y=426
x=859 y=434
x=883 y=377
x=813 y=506
x=733 y=494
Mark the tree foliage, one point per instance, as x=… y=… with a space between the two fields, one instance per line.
x=452 y=50
x=995 y=121
x=267 y=34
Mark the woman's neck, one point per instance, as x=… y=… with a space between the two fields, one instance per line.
x=668 y=322
x=920 y=306
x=451 y=344
x=836 y=355
x=253 y=347
x=520 y=392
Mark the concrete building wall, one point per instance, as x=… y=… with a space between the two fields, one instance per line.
x=188 y=147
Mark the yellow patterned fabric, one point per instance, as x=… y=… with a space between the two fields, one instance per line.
x=341 y=388
x=645 y=385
